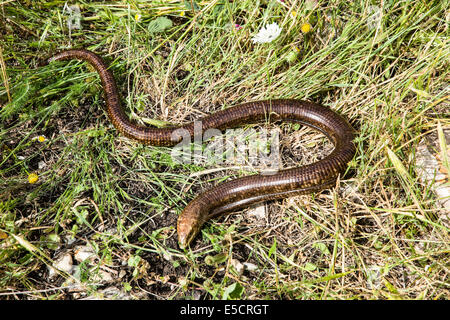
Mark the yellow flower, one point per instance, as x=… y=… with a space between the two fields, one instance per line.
x=306 y=27
x=39 y=138
x=33 y=178
x=293 y=14
x=138 y=17
x=182 y=14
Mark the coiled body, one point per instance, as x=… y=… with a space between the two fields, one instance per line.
x=235 y=194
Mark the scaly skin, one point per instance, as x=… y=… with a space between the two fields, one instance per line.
x=235 y=194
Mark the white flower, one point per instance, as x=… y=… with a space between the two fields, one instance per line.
x=267 y=33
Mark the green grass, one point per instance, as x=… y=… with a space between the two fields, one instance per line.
x=378 y=235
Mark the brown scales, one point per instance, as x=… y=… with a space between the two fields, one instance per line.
x=232 y=195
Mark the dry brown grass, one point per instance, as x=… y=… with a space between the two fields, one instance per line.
x=379 y=234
